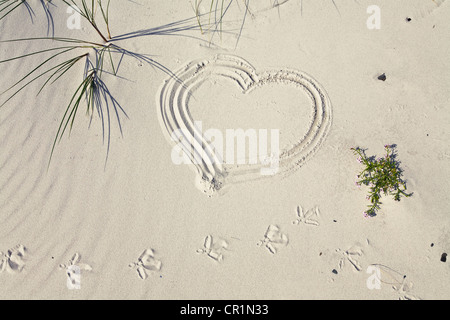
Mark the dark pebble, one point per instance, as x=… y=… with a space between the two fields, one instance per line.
x=334 y=271
x=444 y=257
x=408 y=19
x=382 y=77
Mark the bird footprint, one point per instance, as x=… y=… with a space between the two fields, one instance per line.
x=146 y=263
x=213 y=249
x=305 y=217
x=350 y=256
x=73 y=270
x=273 y=239
x=13 y=260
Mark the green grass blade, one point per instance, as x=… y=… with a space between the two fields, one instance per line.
x=38 y=67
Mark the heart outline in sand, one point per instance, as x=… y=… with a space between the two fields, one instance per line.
x=174 y=116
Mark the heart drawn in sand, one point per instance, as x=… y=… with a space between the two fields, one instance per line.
x=181 y=130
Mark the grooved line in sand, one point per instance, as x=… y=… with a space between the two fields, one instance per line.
x=173 y=100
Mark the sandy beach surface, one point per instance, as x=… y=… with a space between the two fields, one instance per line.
x=137 y=225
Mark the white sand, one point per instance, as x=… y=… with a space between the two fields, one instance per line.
x=141 y=200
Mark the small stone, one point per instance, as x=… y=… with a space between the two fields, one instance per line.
x=334 y=271
x=382 y=77
x=444 y=257
x=408 y=19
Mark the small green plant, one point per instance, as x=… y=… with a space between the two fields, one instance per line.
x=382 y=175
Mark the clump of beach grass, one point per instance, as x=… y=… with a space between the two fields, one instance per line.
x=98 y=56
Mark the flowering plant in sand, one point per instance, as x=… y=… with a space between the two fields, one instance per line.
x=382 y=175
